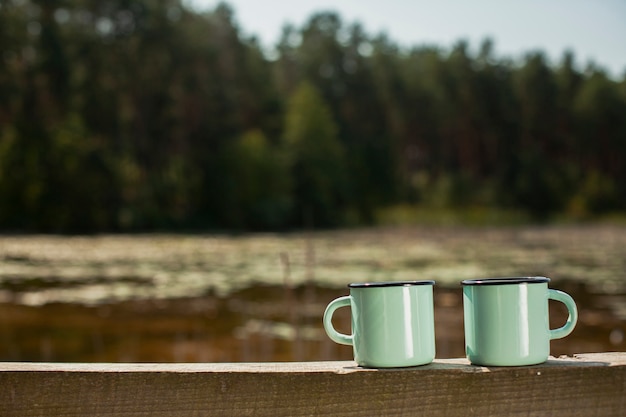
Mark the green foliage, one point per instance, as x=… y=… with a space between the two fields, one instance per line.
x=597 y=194
x=139 y=115
x=256 y=184
x=316 y=159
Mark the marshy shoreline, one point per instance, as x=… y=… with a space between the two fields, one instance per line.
x=208 y=298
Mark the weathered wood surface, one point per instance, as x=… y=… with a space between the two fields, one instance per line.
x=584 y=385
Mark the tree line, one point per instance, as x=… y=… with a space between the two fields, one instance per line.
x=126 y=115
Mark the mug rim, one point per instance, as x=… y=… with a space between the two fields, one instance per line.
x=390 y=284
x=506 y=281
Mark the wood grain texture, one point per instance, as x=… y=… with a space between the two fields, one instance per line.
x=584 y=385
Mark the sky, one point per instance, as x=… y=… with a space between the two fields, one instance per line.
x=595 y=30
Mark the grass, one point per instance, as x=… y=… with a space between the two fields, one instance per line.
x=402 y=215
x=482 y=216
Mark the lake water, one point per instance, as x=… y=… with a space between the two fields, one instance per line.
x=172 y=298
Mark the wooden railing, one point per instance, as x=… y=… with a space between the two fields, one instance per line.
x=584 y=385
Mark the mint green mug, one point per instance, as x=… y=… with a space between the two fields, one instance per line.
x=392 y=323
x=507 y=322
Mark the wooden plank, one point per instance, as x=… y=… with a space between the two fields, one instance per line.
x=583 y=385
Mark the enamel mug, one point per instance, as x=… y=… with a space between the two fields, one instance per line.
x=507 y=322
x=392 y=323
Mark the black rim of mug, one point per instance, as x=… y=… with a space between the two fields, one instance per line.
x=506 y=281
x=390 y=284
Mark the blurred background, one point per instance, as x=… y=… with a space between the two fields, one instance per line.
x=195 y=181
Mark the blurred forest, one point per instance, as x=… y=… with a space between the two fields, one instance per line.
x=129 y=115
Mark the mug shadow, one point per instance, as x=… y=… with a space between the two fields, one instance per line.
x=463 y=365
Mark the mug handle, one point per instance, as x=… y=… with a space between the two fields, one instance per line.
x=571 y=309
x=335 y=336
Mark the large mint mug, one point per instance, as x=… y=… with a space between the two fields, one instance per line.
x=392 y=323
x=507 y=322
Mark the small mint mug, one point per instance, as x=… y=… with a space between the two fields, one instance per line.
x=392 y=323
x=507 y=322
